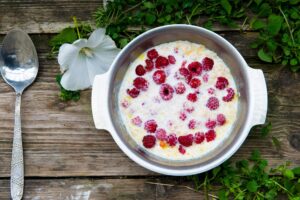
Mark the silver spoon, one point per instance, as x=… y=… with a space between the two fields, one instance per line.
x=19 y=67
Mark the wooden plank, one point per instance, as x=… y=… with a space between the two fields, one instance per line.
x=44 y=16
x=104 y=189
x=52 y=16
x=60 y=138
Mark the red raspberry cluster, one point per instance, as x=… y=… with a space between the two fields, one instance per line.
x=189 y=73
x=159 y=62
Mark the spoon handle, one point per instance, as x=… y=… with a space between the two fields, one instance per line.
x=17 y=166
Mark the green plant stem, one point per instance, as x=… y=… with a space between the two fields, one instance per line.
x=287 y=23
x=133 y=7
x=76 y=26
x=279 y=185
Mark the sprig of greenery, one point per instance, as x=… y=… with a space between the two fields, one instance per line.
x=250 y=179
x=66 y=95
x=122 y=17
x=68 y=35
x=277 y=21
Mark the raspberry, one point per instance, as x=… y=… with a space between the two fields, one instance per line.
x=182 y=116
x=192 y=97
x=181 y=149
x=175 y=50
x=229 y=96
x=161 y=134
x=137 y=121
x=192 y=124
x=199 y=137
x=221 y=83
x=184 y=71
x=125 y=104
x=186 y=140
x=195 y=68
x=171 y=59
x=166 y=92
x=139 y=70
x=133 y=92
x=210 y=135
x=205 y=77
x=161 y=62
x=212 y=103
x=140 y=83
x=149 y=65
x=172 y=140
x=221 y=119
x=152 y=54
x=211 y=90
x=210 y=124
x=159 y=77
x=188 y=107
x=180 y=88
x=188 y=78
x=150 y=126
x=149 y=141
x=207 y=64
x=183 y=64
x=194 y=83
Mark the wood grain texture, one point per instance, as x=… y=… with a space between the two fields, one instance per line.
x=44 y=16
x=104 y=189
x=51 y=16
x=60 y=138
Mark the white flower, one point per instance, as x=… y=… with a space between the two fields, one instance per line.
x=84 y=59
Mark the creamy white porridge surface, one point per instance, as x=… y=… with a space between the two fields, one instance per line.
x=178 y=100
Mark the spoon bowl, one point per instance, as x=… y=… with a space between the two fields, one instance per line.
x=19 y=67
x=20 y=62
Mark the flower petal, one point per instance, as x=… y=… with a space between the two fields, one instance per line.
x=107 y=43
x=66 y=54
x=80 y=43
x=106 y=57
x=96 y=38
x=76 y=77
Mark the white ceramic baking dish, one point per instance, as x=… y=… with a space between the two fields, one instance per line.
x=251 y=85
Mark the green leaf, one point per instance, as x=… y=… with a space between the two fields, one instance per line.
x=284 y=62
x=257 y=2
x=66 y=95
x=294 y=14
x=67 y=35
x=264 y=10
x=252 y=186
x=123 y=42
x=264 y=56
x=266 y=129
x=255 y=155
x=149 y=5
x=293 y=61
x=150 y=18
x=222 y=195
x=274 y=24
x=258 y=24
x=276 y=143
x=289 y=174
x=294 y=2
x=270 y=195
x=296 y=171
x=226 y=5
x=295 y=68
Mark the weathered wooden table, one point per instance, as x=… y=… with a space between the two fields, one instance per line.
x=67 y=158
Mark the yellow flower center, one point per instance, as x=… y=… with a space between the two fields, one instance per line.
x=87 y=51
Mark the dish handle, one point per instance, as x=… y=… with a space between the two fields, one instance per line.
x=258 y=91
x=100 y=105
